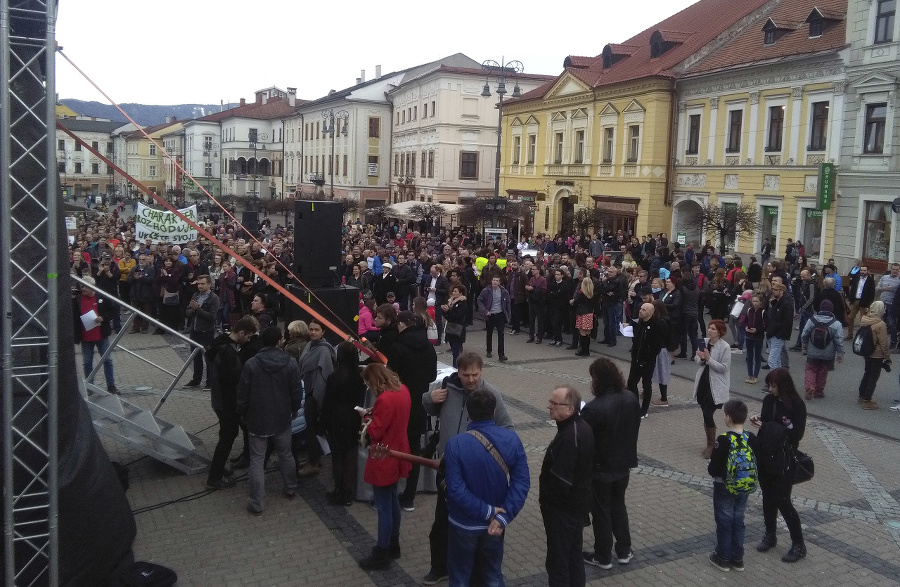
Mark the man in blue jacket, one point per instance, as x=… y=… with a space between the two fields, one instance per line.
x=481 y=501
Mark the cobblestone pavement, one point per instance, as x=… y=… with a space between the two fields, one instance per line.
x=850 y=511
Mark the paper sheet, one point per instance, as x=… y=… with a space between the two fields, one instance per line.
x=90 y=320
x=626 y=330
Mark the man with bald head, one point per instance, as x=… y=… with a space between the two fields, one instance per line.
x=647 y=342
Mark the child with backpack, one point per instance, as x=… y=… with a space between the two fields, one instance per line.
x=732 y=466
x=822 y=341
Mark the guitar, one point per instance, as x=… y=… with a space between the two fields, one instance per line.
x=381 y=451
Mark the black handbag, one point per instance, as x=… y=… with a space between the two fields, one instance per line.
x=453 y=329
x=804 y=468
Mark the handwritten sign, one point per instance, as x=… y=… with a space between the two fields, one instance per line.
x=164 y=226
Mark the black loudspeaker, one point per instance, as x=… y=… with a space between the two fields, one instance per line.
x=341 y=300
x=317 y=242
x=250 y=220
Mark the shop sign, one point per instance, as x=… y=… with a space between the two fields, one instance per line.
x=826 y=186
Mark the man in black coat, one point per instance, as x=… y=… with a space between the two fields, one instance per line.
x=384 y=283
x=832 y=295
x=860 y=297
x=565 y=487
x=615 y=418
x=781 y=325
x=224 y=363
x=413 y=359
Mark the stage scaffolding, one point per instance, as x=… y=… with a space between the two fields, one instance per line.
x=29 y=221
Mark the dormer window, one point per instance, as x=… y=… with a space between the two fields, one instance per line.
x=820 y=21
x=662 y=41
x=612 y=54
x=816 y=28
x=772 y=31
x=769 y=36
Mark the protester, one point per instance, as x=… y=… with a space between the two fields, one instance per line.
x=650 y=336
x=487 y=465
x=880 y=356
x=493 y=303
x=456 y=312
x=316 y=364
x=822 y=341
x=267 y=397
x=615 y=418
x=565 y=488
x=96 y=335
x=713 y=378
x=201 y=314
x=781 y=423
x=296 y=338
x=390 y=415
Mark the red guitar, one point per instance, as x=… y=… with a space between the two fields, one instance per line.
x=381 y=451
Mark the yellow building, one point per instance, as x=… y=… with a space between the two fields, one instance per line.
x=599 y=135
x=756 y=120
x=141 y=158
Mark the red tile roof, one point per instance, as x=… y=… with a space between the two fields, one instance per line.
x=273 y=108
x=137 y=134
x=749 y=47
x=687 y=32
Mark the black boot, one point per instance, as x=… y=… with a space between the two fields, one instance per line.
x=768 y=542
x=377 y=561
x=394 y=548
x=585 y=347
x=797 y=551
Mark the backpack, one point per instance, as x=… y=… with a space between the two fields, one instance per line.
x=864 y=342
x=741 y=475
x=821 y=334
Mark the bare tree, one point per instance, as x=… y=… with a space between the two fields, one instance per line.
x=475 y=213
x=427 y=211
x=728 y=219
x=586 y=220
x=379 y=214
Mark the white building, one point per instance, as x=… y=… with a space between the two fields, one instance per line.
x=444 y=138
x=82 y=173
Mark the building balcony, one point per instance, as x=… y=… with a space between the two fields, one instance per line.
x=567 y=170
x=629 y=170
x=515 y=169
x=605 y=169
x=529 y=169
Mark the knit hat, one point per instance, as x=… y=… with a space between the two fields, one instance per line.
x=826 y=306
x=387 y=266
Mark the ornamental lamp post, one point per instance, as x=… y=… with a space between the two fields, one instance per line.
x=501 y=72
x=330 y=117
x=252 y=199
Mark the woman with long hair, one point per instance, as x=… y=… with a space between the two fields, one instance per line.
x=718 y=296
x=344 y=390
x=456 y=311
x=712 y=379
x=583 y=302
x=662 y=371
x=781 y=423
x=169 y=284
x=753 y=322
x=390 y=415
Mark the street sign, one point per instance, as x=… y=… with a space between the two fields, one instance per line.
x=681 y=238
x=825 y=192
x=495 y=231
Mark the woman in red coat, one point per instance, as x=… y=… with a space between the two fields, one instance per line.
x=390 y=416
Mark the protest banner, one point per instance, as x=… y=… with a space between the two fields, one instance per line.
x=164 y=226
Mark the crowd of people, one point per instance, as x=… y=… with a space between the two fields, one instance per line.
x=287 y=387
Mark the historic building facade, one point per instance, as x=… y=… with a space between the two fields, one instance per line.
x=866 y=227
x=756 y=120
x=81 y=173
x=600 y=135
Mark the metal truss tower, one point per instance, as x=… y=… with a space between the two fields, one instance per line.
x=29 y=291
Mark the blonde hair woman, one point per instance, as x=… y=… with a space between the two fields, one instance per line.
x=583 y=303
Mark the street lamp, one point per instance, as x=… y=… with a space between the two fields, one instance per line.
x=501 y=72
x=255 y=137
x=330 y=116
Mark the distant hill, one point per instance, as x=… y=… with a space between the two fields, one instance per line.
x=143 y=114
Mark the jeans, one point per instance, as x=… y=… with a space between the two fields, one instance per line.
x=412 y=482
x=388 y=506
x=439 y=321
x=753 y=355
x=689 y=333
x=257 y=474
x=456 y=349
x=87 y=355
x=495 y=321
x=612 y=317
x=475 y=550
x=729 y=511
x=610 y=518
x=805 y=315
x=564 y=564
x=777 y=355
x=870 y=377
x=816 y=375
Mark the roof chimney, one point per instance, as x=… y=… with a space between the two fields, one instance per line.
x=377 y=72
x=243 y=102
x=362 y=75
x=170 y=119
x=292 y=96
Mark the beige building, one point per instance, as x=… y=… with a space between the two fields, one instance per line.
x=81 y=173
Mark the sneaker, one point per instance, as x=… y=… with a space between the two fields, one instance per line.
x=408 y=506
x=591 y=559
x=869 y=405
x=737 y=565
x=251 y=510
x=766 y=366
x=895 y=408
x=752 y=380
x=113 y=389
x=503 y=358
x=223 y=483
x=719 y=562
x=624 y=560
x=192 y=384
x=207 y=387
x=796 y=552
x=660 y=403
x=433 y=578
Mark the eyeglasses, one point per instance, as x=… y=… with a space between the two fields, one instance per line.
x=557 y=404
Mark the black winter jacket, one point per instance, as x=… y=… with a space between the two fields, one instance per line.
x=268 y=394
x=565 y=481
x=615 y=418
x=414 y=360
x=224 y=373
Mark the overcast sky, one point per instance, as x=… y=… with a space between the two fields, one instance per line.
x=200 y=51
